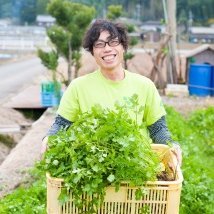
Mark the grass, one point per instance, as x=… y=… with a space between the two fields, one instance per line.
x=29 y=198
x=7 y=140
x=196 y=138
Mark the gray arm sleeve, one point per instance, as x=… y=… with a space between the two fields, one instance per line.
x=159 y=132
x=59 y=123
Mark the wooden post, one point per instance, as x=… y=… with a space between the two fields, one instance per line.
x=170 y=18
x=173 y=32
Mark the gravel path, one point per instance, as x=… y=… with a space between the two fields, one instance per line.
x=185 y=105
x=14 y=168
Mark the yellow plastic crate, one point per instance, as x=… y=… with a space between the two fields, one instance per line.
x=162 y=197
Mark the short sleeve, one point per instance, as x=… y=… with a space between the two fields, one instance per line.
x=69 y=105
x=154 y=108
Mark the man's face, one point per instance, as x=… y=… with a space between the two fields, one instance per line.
x=108 y=55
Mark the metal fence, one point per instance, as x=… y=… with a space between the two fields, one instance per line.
x=23 y=38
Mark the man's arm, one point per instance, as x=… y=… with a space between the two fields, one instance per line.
x=160 y=134
x=59 y=123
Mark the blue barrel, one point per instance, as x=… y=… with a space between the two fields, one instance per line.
x=200 y=80
x=212 y=82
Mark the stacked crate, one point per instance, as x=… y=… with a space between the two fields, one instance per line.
x=50 y=94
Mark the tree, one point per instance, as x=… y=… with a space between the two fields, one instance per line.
x=158 y=58
x=50 y=61
x=28 y=11
x=183 y=20
x=128 y=55
x=41 y=6
x=114 y=11
x=5 y=8
x=201 y=10
x=72 y=20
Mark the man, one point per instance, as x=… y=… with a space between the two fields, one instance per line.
x=111 y=83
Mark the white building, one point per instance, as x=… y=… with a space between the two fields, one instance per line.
x=45 y=20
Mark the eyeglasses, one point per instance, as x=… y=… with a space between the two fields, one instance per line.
x=102 y=44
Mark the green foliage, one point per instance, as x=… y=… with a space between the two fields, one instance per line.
x=41 y=6
x=28 y=11
x=114 y=11
x=128 y=56
x=60 y=38
x=5 y=8
x=103 y=147
x=76 y=55
x=61 y=11
x=196 y=138
x=202 y=121
x=177 y=124
x=130 y=28
x=72 y=20
x=27 y=199
x=152 y=10
x=165 y=50
x=201 y=10
x=133 y=41
x=49 y=60
x=182 y=19
x=7 y=140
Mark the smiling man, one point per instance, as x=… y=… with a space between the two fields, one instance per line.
x=107 y=42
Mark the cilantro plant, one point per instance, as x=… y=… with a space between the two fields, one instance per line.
x=103 y=147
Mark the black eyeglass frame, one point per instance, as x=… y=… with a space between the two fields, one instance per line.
x=117 y=42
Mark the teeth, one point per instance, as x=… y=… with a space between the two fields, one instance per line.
x=110 y=57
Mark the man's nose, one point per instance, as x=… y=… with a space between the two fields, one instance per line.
x=107 y=47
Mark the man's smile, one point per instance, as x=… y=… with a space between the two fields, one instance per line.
x=109 y=58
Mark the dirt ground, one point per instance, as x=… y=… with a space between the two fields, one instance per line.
x=187 y=105
x=12 y=119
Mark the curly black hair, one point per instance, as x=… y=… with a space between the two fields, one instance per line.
x=100 y=25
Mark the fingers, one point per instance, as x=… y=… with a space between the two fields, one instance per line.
x=176 y=149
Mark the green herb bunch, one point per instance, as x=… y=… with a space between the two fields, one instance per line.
x=103 y=147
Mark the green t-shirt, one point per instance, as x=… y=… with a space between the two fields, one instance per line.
x=91 y=89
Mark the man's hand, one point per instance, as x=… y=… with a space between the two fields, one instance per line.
x=176 y=149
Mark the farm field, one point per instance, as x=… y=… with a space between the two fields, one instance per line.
x=194 y=133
